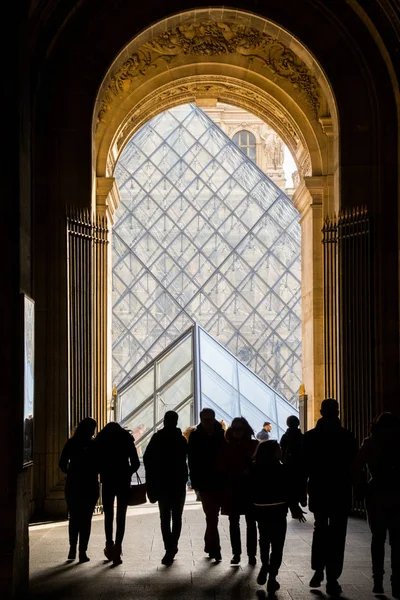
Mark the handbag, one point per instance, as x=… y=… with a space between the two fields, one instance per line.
x=137 y=493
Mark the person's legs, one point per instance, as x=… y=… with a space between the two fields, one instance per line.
x=278 y=528
x=176 y=514
x=211 y=502
x=108 y=495
x=73 y=523
x=73 y=530
x=234 y=534
x=319 y=547
x=261 y=515
x=336 y=545
x=251 y=535
x=86 y=515
x=164 y=506
x=122 y=505
x=378 y=524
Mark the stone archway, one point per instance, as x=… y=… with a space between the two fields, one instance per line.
x=251 y=63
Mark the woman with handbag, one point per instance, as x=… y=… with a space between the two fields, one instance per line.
x=81 y=487
x=117 y=461
x=166 y=478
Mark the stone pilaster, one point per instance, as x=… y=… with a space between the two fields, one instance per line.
x=107 y=201
x=107 y=197
x=310 y=199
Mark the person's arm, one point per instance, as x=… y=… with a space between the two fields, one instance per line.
x=297 y=512
x=293 y=496
x=64 y=458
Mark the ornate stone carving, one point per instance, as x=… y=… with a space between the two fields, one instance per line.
x=273 y=150
x=219 y=87
x=208 y=40
x=305 y=167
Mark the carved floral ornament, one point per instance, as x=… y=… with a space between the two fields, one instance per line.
x=209 y=39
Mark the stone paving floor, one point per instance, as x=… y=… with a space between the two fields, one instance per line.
x=192 y=576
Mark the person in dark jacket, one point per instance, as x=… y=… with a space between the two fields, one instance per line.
x=377 y=465
x=235 y=462
x=166 y=477
x=82 y=486
x=292 y=446
x=264 y=434
x=329 y=452
x=273 y=492
x=117 y=461
x=205 y=444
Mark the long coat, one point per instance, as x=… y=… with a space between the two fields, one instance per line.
x=329 y=452
x=165 y=464
x=234 y=464
x=203 y=453
x=78 y=461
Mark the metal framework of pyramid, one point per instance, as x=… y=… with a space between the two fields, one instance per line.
x=193 y=373
x=203 y=236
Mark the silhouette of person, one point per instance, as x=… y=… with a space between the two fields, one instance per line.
x=205 y=444
x=235 y=462
x=117 y=461
x=77 y=460
x=329 y=451
x=292 y=446
x=273 y=492
x=166 y=477
x=264 y=434
x=379 y=460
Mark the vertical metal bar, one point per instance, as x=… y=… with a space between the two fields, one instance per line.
x=197 y=403
x=370 y=250
x=325 y=242
x=96 y=300
x=340 y=313
x=79 y=286
x=359 y=324
x=332 y=315
x=335 y=314
x=76 y=321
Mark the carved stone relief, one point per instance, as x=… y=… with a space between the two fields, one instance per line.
x=210 y=39
x=216 y=87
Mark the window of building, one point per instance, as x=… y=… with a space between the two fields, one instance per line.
x=247 y=143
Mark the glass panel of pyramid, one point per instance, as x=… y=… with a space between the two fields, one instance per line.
x=210 y=376
x=202 y=235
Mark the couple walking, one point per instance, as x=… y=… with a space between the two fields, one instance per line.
x=113 y=456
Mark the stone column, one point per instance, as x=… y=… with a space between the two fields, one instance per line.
x=107 y=201
x=311 y=199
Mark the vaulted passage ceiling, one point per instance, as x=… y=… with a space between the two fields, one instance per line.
x=202 y=235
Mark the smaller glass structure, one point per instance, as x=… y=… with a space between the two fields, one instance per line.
x=195 y=372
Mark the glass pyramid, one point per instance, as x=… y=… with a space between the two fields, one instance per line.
x=193 y=373
x=201 y=235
